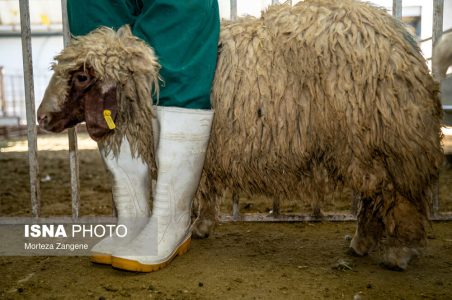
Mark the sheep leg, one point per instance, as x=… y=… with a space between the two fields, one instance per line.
x=205 y=216
x=405 y=231
x=369 y=228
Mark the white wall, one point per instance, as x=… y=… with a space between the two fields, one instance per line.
x=40 y=10
x=447 y=15
x=43 y=49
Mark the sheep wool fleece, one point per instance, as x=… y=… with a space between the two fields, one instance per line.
x=184 y=35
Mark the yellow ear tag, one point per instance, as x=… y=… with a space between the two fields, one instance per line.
x=109 y=119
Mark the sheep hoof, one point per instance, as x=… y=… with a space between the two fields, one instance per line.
x=359 y=246
x=392 y=267
x=201 y=229
x=397 y=258
x=352 y=252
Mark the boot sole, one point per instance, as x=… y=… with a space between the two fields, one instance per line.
x=135 y=266
x=100 y=258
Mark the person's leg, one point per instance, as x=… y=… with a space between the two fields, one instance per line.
x=87 y=15
x=180 y=157
x=185 y=36
x=131 y=194
x=130 y=174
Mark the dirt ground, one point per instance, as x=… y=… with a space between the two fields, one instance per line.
x=245 y=261
x=241 y=260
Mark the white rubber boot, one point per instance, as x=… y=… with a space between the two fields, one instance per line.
x=131 y=196
x=156 y=136
x=184 y=136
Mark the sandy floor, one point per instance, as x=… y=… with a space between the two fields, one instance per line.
x=295 y=261
x=95 y=188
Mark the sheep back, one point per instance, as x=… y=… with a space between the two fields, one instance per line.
x=321 y=94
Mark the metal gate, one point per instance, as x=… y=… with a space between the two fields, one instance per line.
x=275 y=216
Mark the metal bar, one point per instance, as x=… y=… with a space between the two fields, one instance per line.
x=397 y=9
x=57 y=220
x=34 y=34
x=331 y=217
x=72 y=133
x=437 y=30
x=224 y=218
x=74 y=167
x=276 y=207
x=235 y=206
x=438 y=12
x=66 y=29
x=429 y=38
x=447 y=108
x=262 y=217
x=30 y=107
x=233 y=10
x=2 y=93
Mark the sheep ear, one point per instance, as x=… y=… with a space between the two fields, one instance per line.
x=124 y=31
x=100 y=110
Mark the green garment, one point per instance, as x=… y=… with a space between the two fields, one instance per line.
x=184 y=35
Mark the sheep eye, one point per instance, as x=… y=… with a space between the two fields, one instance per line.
x=82 y=78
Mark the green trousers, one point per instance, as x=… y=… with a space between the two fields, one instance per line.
x=183 y=33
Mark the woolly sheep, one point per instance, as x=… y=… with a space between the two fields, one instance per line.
x=321 y=94
x=442 y=54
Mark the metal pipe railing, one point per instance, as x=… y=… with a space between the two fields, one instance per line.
x=437 y=30
x=30 y=106
x=397 y=9
x=72 y=134
x=233 y=14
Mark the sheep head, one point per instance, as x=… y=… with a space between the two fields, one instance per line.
x=104 y=79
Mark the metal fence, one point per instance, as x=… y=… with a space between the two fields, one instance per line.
x=72 y=135
x=12 y=93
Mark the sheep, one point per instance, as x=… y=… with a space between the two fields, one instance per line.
x=442 y=55
x=321 y=94
x=441 y=61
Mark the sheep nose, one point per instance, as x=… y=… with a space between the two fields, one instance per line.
x=42 y=120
